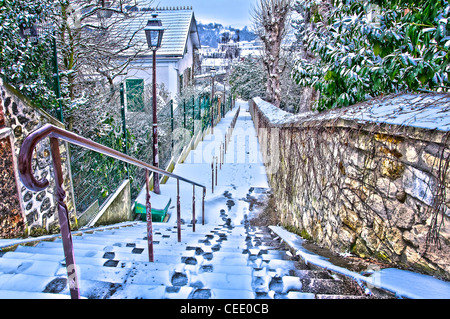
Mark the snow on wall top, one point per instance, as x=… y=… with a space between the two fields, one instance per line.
x=429 y=111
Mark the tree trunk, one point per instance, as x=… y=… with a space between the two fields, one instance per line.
x=270 y=20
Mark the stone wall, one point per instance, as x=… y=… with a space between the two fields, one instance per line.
x=11 y=211
x=117 y=208
x=371 y=179
x=36 y=213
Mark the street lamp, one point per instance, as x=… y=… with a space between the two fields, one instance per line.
x=154 y=33
x=212 y=70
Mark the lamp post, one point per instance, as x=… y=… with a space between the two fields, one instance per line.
x=213 y=75
x=154 y=33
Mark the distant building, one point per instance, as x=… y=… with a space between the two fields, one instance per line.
x=223 y=57
x=177 y=58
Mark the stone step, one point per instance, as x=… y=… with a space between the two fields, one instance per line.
x=316 y=274
x=225 y=266
x=324 y=296
x=118 y=260
x=327 y=287
x=21 y=282
x=29 y=267
x=113 y=238
x=18 y=294
x=226 y=281
x=52 y=285
x=81 y=255
x=124 y=248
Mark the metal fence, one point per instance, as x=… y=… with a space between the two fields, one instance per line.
x=106 y=117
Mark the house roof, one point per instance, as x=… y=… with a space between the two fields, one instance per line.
x=179 y=25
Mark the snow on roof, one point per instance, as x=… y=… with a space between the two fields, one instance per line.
x=178 y=24
x=428 y=110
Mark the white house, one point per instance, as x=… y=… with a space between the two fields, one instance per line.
x=175 y=60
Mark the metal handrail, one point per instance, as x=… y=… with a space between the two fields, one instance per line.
x=28 y=179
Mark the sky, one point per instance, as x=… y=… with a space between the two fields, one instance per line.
x=235 y=13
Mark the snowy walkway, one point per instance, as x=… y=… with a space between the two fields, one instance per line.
x=242 y=169
x=225 y=258
x=216 y=261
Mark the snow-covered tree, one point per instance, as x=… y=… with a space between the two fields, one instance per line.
x=248 y=79
x=25 y=62
x=363 y=49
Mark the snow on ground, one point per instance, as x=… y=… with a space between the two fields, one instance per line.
x=403 y=283
x=243 y=168
x=428 y=111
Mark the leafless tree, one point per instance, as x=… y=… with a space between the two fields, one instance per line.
x=95 y=41
x=270 y=20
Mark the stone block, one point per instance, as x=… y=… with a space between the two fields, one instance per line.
x=359 y=248
x=386 y=187
x=395 y=240
x=117 y=208
x=403 y=217
x=350 y=219
x=392 y=169
x=419 y=185
x=411 y=154
x=346 y=236
x=370 y=238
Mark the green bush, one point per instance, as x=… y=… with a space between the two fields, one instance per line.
x=364 y=49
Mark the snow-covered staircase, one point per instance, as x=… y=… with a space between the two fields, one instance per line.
x=225 y=258
x=217 y=261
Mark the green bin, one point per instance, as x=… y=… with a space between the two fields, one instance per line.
x=159 y=204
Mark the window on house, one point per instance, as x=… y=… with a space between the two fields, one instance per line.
x=135 y=95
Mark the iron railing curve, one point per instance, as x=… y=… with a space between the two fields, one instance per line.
x=29 y=181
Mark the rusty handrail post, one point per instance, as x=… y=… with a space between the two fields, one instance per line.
x=178 y=211
x=64 y=223
x=223 y=155
x=193 y=208
x=212 y=175
x=149 y=218
x=220 y=155
x=56 y=134
x=203 y=206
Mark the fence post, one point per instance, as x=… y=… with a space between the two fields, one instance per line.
x=184 y=113
x=124 y=125
x=171 y=121
x=149 y=218
x=193 y=207
x=203 y=206
x=224 y=100
x=199 y=107
x=57 y=84
x=193 y=115
x=212 y=115
x=212 y=175
x=178 y=211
